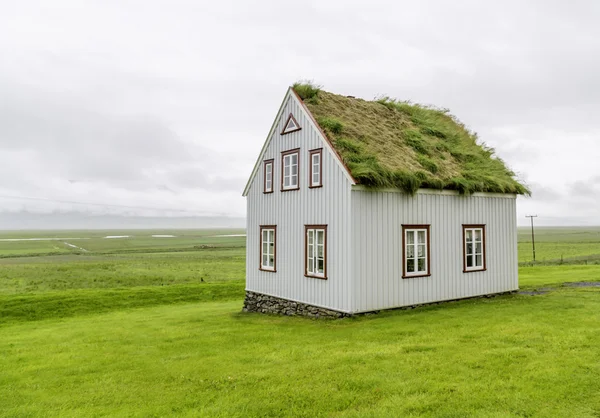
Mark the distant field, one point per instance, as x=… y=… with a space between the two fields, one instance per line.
x=573 y=244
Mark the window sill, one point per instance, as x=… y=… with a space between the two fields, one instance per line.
x=269 y=270
x=312 y=276
x=290 y=190
x=474 y=270
x=315 y=187
x=268 y=192
x=416 y=276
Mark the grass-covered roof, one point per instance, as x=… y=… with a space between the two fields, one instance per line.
x=387 y=143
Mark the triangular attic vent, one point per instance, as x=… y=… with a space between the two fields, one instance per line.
x=290 y=125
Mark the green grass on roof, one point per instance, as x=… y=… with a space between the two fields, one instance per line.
x=392 y=144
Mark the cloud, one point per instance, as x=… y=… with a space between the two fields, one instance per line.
x=144 y=104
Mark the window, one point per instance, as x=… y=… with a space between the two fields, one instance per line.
x=315 y=174
x=415 y=243
x=289 y=168
x=474 y=248
x=315 y=250
x=268 y=176
x=291 y=125
x=268 y=252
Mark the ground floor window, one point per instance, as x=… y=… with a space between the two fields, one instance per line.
x=473 y=248
x=268 y=245
x=415 y=255
x=315 y=248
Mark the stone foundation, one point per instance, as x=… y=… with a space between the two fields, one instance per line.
x=257 y=302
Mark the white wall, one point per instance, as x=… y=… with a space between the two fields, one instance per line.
x=377 y=247
x=290 y=211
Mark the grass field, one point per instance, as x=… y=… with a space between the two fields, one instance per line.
x=574 y=245
x=142 y=329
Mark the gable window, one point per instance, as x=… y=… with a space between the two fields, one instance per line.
x=315 y=251
x=315 y=173
x=290 y=167
x=473 y=248
x=268 y=247
x=415 y=254
x=268 y=176
x=291 y=125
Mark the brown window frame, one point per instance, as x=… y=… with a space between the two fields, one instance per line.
x=283 y=155
x=291 y=116
x=306 y=273
x=260 y=253
x=483 y=247
x=265 y=164
x=409 y=227
x=310 y=168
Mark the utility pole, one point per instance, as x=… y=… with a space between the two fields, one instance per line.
x=532 y=234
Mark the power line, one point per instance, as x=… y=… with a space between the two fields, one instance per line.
x=43 y=199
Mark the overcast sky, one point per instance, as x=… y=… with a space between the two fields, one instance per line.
x=166 y=104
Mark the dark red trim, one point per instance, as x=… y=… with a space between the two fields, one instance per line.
x=260 y=267
x=464 y=245
x=284 y=132
x=283 y=154
x=306 y=273
x=265 y=163
x=310 y=168
x=404 y=228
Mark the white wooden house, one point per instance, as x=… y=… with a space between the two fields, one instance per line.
x=327 y=236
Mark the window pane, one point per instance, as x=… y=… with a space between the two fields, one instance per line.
x=294 y=170
x=421 y=237
x=478 y=261
x=310 y=265
x=469 y=249
x=421 y=264
x=320 y=251
x=421 y=252
x=272 y=262
x=410 y=237
x=286 y=182
x=469 y=235
x=320 y=266
x=264 y=260
x=410 y=251
x=478 y=234
x=311 y=250
x=315 y=178
x=294 y=158
x=469 y=261
x=410 y=265
x=478 y=248
x=320 y=236
x=265 y=247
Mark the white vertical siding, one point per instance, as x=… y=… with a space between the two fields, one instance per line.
x=290 y=211
x=377 y=247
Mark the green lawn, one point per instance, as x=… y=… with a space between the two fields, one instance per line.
x=161 y=333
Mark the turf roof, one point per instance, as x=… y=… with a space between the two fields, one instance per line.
x=386 y=143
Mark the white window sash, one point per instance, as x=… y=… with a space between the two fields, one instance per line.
x=315 y=252
x=415 y=248
x=269 y=177
x=268 y=249
x=315 y=169
x=472 y=256
x=290 y=171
